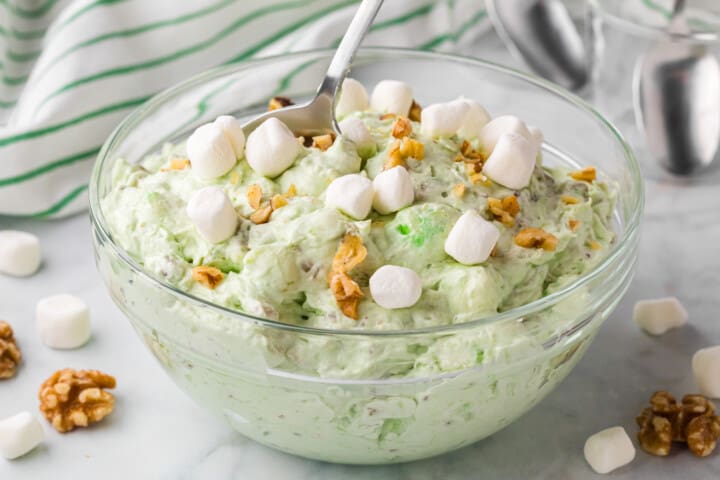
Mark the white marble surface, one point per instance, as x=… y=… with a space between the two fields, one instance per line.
x=156 y=432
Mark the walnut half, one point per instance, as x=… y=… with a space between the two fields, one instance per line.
x=9 y=352
x=76 y=398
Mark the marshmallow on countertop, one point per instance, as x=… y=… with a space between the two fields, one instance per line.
x=63 y=321
x=471 y=239
x=706 y=368
x=351 y=194
x=392 y=96
x=443 y=119
x=19 y=434
x=353 y=98
x=609 y=449
x=271 y=148
x=512 y=161
x=233 y=132
x=497 y=127
x=393 y=190
x=395 y=287
x=355 y=130
x=474 y=119
x=660 y=315
x=210 y=152
x=212 y=213
x=19 y=253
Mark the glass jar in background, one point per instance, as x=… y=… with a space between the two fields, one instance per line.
x=620 y=32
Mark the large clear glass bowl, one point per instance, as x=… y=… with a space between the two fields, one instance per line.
x=260 y=374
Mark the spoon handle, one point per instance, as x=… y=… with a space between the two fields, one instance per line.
x=340 y=64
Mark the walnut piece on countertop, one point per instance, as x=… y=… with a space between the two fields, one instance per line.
x=9 y=352
x=692 y=421
x=76 y=398
x=655 y=435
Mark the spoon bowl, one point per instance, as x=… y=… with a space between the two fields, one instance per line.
x=318 y=115
x=677 y=100
x=542 y=34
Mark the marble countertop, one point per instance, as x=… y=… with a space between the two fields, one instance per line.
x=156 y=432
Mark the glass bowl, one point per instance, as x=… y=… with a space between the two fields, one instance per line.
x=265 y=377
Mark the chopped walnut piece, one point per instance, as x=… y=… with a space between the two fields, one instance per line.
x=536 y=238
x=701 y=435
x=279 y=102
x=9 y=352
x=323 y=142
x=207 y=276
x=504 y=210
x=415 y=113
x=291 y=191
x=573 y=224
x=655 y=435
x=412 y=148
x=469 y=154
x=459 y=190
x=401 y=127
x=349 y=255
x=569 y=200
x=76 y=398
x=394 y=158
x=177 y=164
x=387 y=116
x=347 y=294
x=594 y=245
x=587 y=174
x=262 y=214
x=278 y=201
x=254 y=196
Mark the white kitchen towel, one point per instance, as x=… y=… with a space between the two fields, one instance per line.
x=72 y=69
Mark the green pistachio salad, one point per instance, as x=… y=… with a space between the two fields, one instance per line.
x=406 y=220
x=411 y=218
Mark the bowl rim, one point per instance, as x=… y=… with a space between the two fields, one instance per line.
x=623 y=246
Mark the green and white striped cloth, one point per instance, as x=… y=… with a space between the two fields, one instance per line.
x=72 y=69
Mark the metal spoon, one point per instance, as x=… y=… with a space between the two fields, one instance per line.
x=318 y=115
x=542 y=34
x=677 y=99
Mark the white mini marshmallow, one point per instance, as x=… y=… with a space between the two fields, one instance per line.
x=233 y=132
x=537 y=135
x=355 y=130
x=497 y=127
x=392 y=96
x=393 y=190
x=210 y=152
x=351 y=194
x=353 y=98
x=706 y=368
x=660 y=315
x=512 y=161
x=271 y=148
x=471 y=239
x=443 y=119
x=609 y=449
x=63 y=321
x=19 y=253
x=474 y=119
x=395 y=287
x=19 y=434
x=212 y=213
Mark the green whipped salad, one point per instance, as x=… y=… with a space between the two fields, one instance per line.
x=279 y=269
